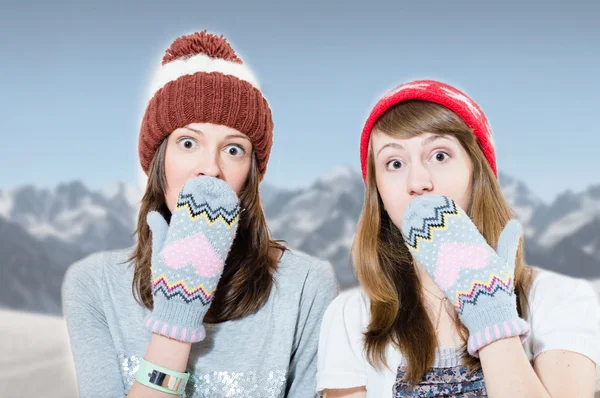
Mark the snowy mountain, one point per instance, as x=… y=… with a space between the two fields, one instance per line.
x=33 y=275
x=321 y=219
x=570 y=222
x=74 y=215
x=524 y=203
x=43 y=231
x=574 y=216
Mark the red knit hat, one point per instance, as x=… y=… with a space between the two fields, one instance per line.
x=439 y=93
x=202 y=80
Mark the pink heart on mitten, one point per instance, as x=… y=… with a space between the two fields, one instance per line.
x=196 y=250
x=454 y=257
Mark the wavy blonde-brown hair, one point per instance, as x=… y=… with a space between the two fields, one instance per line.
x=384 y=265
x=247 y=277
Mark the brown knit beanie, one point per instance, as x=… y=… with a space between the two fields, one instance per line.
x=202 y=80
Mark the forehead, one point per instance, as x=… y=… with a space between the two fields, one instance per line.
x=379 y=139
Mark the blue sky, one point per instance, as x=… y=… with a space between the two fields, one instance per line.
x=74 y=80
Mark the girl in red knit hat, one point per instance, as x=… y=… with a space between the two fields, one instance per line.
x=447 y=306
x=205 y=304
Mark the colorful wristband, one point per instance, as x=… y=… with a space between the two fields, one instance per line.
x=161 y=379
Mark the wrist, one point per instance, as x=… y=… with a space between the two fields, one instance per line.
x=498 y=347
x=161 y=378
x=169 y=353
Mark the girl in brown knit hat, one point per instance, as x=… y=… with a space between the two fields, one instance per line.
x=205 y=304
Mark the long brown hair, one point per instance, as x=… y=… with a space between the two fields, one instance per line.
x=384 y=265
x=247 y=277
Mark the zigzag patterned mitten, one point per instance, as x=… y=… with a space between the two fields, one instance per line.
x=476 y=279
x=188 y=257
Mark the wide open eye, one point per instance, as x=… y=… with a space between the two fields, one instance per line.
x=394 y=164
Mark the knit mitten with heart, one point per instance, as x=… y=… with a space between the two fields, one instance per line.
x=188 y=257
x=478 y=280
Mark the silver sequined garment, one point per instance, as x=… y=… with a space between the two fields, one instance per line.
x=218 y=384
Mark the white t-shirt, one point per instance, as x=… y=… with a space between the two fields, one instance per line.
x=564 y=314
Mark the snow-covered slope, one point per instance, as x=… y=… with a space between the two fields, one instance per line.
x=36 y=358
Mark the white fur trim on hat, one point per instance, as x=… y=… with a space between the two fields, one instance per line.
x=199 y=63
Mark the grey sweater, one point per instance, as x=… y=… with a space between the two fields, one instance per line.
x=268 y=354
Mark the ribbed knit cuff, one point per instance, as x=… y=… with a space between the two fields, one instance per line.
x=489 y=324
x=178 y=321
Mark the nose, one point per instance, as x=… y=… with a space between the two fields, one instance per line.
x=208 y=164
x=419 y=180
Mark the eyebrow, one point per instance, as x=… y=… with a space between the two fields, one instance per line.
x=426 y=141
x=435 y=137
x=199 y=132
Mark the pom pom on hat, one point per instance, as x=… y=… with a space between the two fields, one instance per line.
x=201 y=43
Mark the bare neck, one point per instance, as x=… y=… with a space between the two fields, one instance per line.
x=448 y=334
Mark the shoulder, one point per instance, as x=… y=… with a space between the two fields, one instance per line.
x=548 y=285
x=350 y=312
x=300 y=262
x=85 y=287
x=296 y=266
x=91 y=271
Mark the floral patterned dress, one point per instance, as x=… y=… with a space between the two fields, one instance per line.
x=457 y=381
